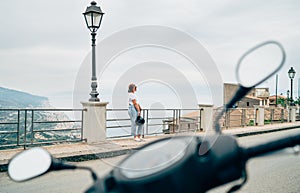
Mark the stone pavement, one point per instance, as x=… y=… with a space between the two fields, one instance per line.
x=113 y=147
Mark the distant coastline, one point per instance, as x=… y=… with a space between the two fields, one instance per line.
x=18 y=99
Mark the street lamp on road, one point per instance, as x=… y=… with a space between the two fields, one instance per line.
x=291 y=73
x=93 y=17
x=287 y=97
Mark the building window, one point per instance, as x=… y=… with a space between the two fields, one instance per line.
x=248 y=104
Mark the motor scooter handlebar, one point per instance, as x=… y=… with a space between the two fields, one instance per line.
x=271 y=146
x=209 y=162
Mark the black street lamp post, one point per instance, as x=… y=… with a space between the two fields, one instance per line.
x=291 y=73
x=93 y=17
x=287 y=97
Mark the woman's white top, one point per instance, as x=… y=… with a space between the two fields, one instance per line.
x=131 y=97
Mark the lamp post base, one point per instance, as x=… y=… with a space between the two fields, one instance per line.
x=94 y=121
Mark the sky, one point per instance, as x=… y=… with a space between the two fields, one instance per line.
x=45 y=47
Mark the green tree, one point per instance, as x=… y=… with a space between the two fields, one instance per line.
x=281 y=101
x=297 y=101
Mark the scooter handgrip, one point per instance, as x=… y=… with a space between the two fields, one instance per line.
x=272 y=146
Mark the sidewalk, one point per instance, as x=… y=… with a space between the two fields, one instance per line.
x=114 y=147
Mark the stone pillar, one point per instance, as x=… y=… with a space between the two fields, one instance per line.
x=206 y=117
x=94 y=121
x=260 y=116
x=292 y=114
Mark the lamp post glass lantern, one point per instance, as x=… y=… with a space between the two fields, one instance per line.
x=291 y=74
x=93 y=17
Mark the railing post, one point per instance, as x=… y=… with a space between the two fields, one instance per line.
x=18 y=128
x=200 y=115
x=282 y=115
x=272 y=117
x=243 y=117
x=227 y=118
x=31 y=128
x=147 y=128
x=174 y=120
x=179 y=121
x=292 y=114
x=94 y=125
x=260 y=115
x=143 y=132
x=25 y=130
x=206 y=117
x=82 y=122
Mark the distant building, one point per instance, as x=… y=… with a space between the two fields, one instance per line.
x=263 y=94
x=257 y=96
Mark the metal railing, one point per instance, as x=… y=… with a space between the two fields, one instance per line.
x=24 y=127
x=242 y=117
x=157 y=121
x=278 y=115
x=239 y=117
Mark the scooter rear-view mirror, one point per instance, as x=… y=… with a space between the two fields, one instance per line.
x=254 y=67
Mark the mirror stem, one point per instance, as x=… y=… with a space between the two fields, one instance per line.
x=61 y=165
x=241 y=92
x=94 y=175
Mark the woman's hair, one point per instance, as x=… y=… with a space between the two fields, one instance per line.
x=131 y=87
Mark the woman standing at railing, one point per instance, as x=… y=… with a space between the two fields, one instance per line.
x=134 y=110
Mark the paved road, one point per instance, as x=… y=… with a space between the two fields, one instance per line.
x=276 y=173
x=60 y=182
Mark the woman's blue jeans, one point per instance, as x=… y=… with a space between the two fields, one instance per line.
x=135 y=129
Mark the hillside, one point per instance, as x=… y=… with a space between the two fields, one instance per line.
x=16 y=99
x=44 y=120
